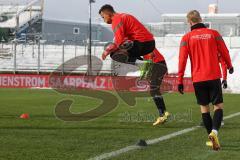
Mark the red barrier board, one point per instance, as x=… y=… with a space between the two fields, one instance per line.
x=91 y=82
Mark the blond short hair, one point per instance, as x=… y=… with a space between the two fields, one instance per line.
x=194 y=16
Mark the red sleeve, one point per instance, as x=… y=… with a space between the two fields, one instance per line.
x=148 y=56
x=224 y=68
x=222 y=49
x=183 y=55
x=118 y=30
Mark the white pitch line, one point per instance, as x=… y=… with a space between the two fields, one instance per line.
x=153 y=141
x=231 y=115
x=156 y=140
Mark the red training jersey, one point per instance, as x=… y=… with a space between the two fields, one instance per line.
x=156 y=56
x=126 y=26
x=202 y=45
x=223 y=67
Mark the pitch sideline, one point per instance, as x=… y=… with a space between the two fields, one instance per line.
x=153 y=141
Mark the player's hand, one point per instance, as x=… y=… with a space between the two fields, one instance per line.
x=180 y=88
x=231 y=70
x=224 y=84
x=109 y=48
x=104 y=55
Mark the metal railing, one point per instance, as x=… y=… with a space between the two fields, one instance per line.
x=36 y=55
x=39 y=56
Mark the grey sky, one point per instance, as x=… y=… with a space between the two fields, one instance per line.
x=145 y=10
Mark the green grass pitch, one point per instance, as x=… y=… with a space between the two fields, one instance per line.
x=43 y=136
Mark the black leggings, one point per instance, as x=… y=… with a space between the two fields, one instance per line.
x=158 y=72
x=140 y=49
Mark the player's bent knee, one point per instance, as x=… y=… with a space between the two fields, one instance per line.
x=205 y=108
x=120 y=56
x=218 y=106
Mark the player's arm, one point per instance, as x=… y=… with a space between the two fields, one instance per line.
x=224 y=69
x=183 y=55
x=111 y=47
x=224 y=72
x=119 y=31
x=119 y=37
x=222 y=49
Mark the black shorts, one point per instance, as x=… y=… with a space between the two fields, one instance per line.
x=140 y=49
x=208 y=92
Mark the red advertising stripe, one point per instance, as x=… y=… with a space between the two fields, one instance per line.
x=122 y=83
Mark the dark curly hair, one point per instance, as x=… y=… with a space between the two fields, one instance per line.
x=106 y=7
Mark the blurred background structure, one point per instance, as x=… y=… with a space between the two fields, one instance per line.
x=33 y=42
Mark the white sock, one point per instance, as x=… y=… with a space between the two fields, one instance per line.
x=215 y=131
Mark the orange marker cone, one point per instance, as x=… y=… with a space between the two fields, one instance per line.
x=24 y=116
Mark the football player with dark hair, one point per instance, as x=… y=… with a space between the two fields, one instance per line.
x=133 y=41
